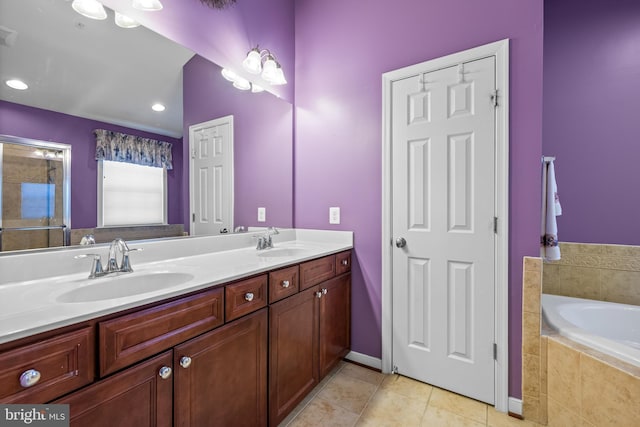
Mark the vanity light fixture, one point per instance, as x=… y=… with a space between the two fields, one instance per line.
x=17 y=84
x=240 y=82
x=264 y=62
x=147 y=5
x=123 y=21
x=158 y=107
x=90 y=8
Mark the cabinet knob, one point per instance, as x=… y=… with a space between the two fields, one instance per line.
x=29 y=378
x=345 y=262
x=165 y=372
x=319 y=294
x=324 y=291
x=248 y=296
x=185 y=361
x=285 y=283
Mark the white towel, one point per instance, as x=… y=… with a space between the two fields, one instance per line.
x=549 y=240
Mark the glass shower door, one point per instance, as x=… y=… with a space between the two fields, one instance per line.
x=33 y=194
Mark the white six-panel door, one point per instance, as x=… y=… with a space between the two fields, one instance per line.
x=443 y=151
x=211 y=176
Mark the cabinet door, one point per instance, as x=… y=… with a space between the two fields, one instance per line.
x=136 y=397
x=335 y=322
x=221 y=376
x=293 y=352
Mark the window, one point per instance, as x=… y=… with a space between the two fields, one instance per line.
x=130 y=194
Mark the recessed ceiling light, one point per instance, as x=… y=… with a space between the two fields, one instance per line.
x=17 y=84
x=158 y=107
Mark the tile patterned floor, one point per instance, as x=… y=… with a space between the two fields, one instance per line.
x=355 y=396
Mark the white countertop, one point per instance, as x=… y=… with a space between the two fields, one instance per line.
x=34 y=286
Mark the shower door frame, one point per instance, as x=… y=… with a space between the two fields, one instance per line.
x=66 y=181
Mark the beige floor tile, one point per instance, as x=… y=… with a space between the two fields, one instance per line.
x=363 y=374
x=460 y=405
x=436 y=417
x=348 y=392
x=407 y=387
x=321 y=412
x=388 y=408
x=500 y=419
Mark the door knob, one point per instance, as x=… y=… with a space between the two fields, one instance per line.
x=401 y=242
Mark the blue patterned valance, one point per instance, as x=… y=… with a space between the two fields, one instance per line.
x=120 y=147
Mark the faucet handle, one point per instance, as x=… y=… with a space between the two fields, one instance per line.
x=96 y=265
x=126 y=264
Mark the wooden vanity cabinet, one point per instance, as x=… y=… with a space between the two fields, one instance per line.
x=135 y=397
x=221 y=376
x=335 y=322
x=293 y=352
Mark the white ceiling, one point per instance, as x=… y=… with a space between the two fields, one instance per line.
x=91 y=69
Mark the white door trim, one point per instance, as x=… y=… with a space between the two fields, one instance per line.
x=192 y=129
x=500 y=50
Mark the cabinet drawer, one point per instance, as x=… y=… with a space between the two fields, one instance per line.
x=283 y=283
x=316 y=271
x=343 y=262
x=64 y=363
x=133 y=337
x=245 y=297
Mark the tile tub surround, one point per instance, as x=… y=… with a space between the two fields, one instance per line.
x=28 y=295
x=352 y=395
x=534 y=346
x=565 y=383
x=595 y=271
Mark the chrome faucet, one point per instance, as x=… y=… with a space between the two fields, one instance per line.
x=118 y=261
x=265 y=241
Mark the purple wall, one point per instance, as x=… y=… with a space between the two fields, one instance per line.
x=225 y=36
x=590 y=118
x=342 y=48
x=263 y=133
x=45 y=125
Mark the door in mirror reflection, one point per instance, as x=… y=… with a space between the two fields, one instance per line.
x=211 y=176
x=33 y=195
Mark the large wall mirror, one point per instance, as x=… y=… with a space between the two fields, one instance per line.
x=85 y=74
x=591 y=117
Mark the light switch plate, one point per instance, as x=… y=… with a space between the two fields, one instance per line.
x=334 y=215
x=262 y=214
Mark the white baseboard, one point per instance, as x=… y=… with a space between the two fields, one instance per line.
x=363 y=359
x=515 y=405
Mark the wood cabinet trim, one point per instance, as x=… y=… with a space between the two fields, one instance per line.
x=131 y=338
x=65 y=362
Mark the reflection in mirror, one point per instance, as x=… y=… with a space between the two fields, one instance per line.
x=34 y=194
x=590 y=117
x=113 y=88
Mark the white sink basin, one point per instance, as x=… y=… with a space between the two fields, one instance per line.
x=281 y=252
x=123 y=286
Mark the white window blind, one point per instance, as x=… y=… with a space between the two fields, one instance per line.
x=130 y=194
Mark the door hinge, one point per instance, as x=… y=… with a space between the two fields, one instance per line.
x=193 y=217
x=495 y=351
x=494 y=98
x=194 y=153
x=495 y=225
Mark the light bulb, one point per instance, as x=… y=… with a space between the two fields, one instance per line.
x=252 y=63
x=90 y=9
x=278 y=78
x=158 y=107
x=242 y=84
x=269 y=69
x=148 y=5
x=229 y=75
x=17 y=84
x=124 y=21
